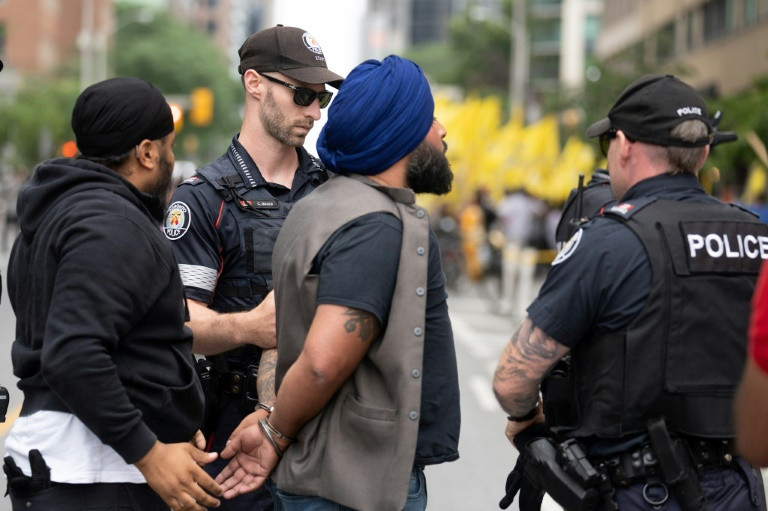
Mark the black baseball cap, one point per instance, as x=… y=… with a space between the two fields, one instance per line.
x=651 y=107
x=289 y=50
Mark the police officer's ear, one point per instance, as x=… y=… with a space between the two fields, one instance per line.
x=704 y=155
x=251 y=82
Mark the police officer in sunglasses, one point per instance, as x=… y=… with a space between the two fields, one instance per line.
x=224 y=220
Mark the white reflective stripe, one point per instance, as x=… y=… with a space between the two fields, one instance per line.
x=200 y=277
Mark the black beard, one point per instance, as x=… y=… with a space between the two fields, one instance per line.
x=429 y=171
x=161 y=190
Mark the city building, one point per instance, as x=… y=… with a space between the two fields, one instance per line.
x=227 y=22
x=39 y=37
x=718 y=46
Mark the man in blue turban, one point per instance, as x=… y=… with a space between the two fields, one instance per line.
x=367 y=385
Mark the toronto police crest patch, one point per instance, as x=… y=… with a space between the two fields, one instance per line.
x=569 y=248
x=177 y=220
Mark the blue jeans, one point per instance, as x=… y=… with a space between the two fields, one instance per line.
x=284 y=501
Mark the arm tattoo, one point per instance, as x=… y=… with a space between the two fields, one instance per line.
x=534 y=345
x=525 y=361
x=265 y=381
x=364 y=322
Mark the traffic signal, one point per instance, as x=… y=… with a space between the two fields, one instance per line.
x=69 y=149
x=201 y=106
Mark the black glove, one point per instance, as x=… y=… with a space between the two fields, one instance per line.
x=23 y=484
x=530 y=495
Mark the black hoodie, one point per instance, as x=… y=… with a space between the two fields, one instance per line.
x=100 y=310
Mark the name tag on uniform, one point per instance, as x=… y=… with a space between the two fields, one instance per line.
x=730 y=247
x=262 y=203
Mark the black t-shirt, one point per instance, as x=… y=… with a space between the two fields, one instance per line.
x=358 y=268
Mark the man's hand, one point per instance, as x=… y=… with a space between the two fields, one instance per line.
x=524 y=432
x=260 y=327
x=254 y=459
x=173 y=472
x=514 y=428
x=252 y=419
x=199 y=440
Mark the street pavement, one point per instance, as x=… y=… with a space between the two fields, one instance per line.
x=476 y=480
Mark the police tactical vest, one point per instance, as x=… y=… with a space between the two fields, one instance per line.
x=683 y=355
x=259 y=217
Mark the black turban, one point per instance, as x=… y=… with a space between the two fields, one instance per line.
x=112 y=116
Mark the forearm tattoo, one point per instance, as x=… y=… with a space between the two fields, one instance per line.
x=526 y=359
x=364 y=322
x=265 y=381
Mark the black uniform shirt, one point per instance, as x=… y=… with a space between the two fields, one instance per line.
x=210 y=246
x=600 y=280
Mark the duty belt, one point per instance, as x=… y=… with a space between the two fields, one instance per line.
x=631 y=466
x=642 y=463
x=710 y=452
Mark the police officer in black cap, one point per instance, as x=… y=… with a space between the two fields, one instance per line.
x=587 y=201
x=223 y=223
x=638 y=335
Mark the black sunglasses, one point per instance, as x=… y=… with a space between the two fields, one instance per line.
x=605 y=141
x=303 y=96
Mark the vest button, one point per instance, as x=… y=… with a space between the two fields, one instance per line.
x=417 y=331
x=413 y=415
x=420 y=251
x=420 y=291
x=415 y=373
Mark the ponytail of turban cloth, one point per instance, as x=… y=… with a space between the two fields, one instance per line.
x=113 y=116
x=382 y=112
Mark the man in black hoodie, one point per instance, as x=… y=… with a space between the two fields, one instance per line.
x=112 y=402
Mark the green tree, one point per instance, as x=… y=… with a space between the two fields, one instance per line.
x=475 y=56
x=177 y=59
x=742 y=113
x=36 y=121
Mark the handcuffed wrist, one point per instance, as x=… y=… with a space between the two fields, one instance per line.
x=263 y=407
x=274 y=430
x=267 y=433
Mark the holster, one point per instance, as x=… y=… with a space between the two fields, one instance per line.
x=676 y=467
x=221 y=383
x=563 y=484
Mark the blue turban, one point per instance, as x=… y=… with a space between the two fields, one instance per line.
x=382 y=112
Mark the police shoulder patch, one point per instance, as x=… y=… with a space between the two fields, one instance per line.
x=569 y=248
x=177 y=220
x=194 y=180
